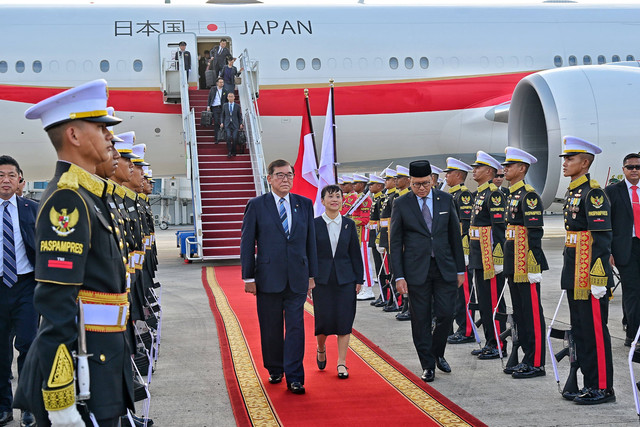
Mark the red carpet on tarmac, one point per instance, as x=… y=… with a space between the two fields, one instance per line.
x=379 y=390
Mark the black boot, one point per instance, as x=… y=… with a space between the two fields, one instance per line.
x=405 y=314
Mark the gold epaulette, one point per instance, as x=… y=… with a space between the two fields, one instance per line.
x=130 y=193
x=119 y=190
x=529 y=188
x=403 y=192
x=493 y=187
x=142 y=196
x=76 y=177
x=593 y=183
x=109 y=186
x=464 y=188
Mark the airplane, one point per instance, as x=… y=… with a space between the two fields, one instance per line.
x=410 y=81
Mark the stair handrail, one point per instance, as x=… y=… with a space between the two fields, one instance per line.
x=248 y=93
x=191 y=145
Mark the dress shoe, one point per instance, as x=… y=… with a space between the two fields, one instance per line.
x=380 y=303
x=443 y=365
x=478 y=351
x=27 y=419
x=511 y=369
x=6 y=417
x=296 y=387
x=343 y=375
x=492 y=353
x=596 y=396
x=460 y=338
x=275 y=378
x=571 y=395
x=428 y=375
x=404 y=316
x=321 y=363
x=376 y=301
x=627 y=342
x=530 y=372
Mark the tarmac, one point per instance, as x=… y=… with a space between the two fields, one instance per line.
x=188 y=387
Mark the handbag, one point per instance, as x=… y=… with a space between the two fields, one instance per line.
x=237 y=80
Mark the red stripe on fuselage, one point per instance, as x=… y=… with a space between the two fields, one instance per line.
x=354 y=99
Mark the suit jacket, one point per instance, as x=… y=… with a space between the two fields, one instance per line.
x=220 y=60
x=621 y=221
x=412 y=243
x=347 y=260
x=187 y=59
x=231 y=120
x=279 y=260
x=212 y=96
x=27 y=213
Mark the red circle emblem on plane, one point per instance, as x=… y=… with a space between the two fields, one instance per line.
x=212 y=27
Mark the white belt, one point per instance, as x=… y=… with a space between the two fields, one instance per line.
x=511 y=234
x=384 y=223
x=474 y=233
x=105 y=314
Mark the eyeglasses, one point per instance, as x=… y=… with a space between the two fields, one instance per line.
x=417 y=185
x=632 y=167
x=281 y=176
x=501 y=175
x=12 y=176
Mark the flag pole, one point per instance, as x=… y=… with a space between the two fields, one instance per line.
x=333 y=120
x=313 y=135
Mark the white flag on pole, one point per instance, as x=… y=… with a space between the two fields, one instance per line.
x=325 y=170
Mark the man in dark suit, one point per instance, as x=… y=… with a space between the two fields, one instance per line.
x=187 y=57
x=428 y=262
x=231 y=123
x=217 y=98
x=219 y=57
x=17 y=312
x=282 y=274
x=625 y=247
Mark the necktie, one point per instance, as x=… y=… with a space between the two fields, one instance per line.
x=636 y=209
x=283 y=217
x=10 y=274
x=426 y=213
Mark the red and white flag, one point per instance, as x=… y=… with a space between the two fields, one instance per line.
x=326 y=175
x=305 y=182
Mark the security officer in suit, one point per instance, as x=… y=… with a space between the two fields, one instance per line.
x=524 y=262
x=486 y=256
x=77 y=259
x=231 y=123
x=498 y=180
x=456 y=174
x=382 y=237
x=219 y=57
x=427 y=254
x=625 y=248
x=17 y=283
x=376 y=187
x=586 y=272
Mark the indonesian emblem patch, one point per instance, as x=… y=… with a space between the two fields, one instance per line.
x=465 y=199
x=532 y=203
x=496 y=200
x=63 y=222
x=597 y=201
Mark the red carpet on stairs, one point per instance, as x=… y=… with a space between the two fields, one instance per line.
x=379 y=390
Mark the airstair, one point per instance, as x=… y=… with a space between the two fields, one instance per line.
x=220 y=186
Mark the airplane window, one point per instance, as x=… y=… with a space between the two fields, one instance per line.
x=54 y=66
x=586 y=60
x=332 y=63
x=602 y=59
x=615 y=58
x=121 y=66
x=393 y=63
x=484 y=62
x=408 y=63
x=424 y=62
x=20 y=66
x=3 y=66
x=630 y=58
x=137 y=65
x=87 y=66
x=347 y=64
x=104 y=65
x=573 y=60
x=557 y=61
x=499 y=61
x=316 y=64
x=37 y=66
x=363 y=63
x=377 y=63
x=284 y=64
x=71 y=66
x=300 y=64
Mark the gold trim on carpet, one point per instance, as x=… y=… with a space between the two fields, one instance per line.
x=416 y=395
x=256 y=401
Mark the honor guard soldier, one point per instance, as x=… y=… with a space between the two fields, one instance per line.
x=360 y=212
x=341 y=185
x=586 y=272
x=350 y=196
x=486 y=256
x=382 y=237
x=456 y=174
x=524 y=262
x=376 y=187
x=81 y=292
x=435 y=175
x=402 y=187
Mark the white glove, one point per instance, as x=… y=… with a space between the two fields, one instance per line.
x=466 y=260
x=380 y=249
x=598 y=291
x=535 y=277
x=498 y=268
x=68 y=417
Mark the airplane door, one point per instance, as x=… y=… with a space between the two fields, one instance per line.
x=168 y=45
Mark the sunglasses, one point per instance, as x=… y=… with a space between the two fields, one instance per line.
x=632 y=167
x=500 y=175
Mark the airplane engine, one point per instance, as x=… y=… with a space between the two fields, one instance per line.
x=598 y=103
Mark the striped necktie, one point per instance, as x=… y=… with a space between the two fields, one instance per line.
x=283 y=217
x=10 y=274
